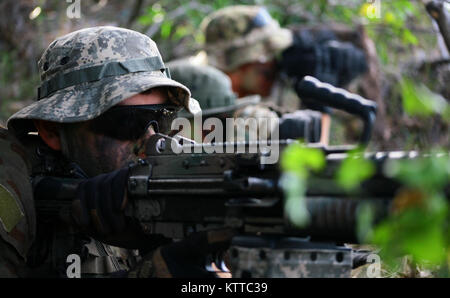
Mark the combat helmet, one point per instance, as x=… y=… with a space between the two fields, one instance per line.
x=86 y=72
x=241 y=34
x=211 y=87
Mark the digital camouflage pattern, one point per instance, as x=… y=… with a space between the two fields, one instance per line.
x=103 y=259
x=241 y=34
x=86 y=49
x=17 y=215
x=210 y=86
x=292 y=263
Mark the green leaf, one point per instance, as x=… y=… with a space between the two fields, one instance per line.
x=146 y=19
x=182 y=31
x=418 y=100
x=427 y=246
x=298 y=158
x=296 y=161
x=408 y=37
x=430 y=173
x=365 y=217
x=390 y=18
x=412 y=102
x=418 y=232
x=295 y=210
x=166 y=28
x=354 y=170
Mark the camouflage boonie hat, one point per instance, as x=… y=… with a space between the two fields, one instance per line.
x=210 y=86
x=86 y=72
x=241 y=34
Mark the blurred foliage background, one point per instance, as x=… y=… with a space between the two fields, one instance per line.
x=409 y=78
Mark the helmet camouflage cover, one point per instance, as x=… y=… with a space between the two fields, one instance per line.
x=86 y=72
x=241 y=34
x=210 y=86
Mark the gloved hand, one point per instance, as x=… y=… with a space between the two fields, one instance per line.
x=297 y=61
x=186 y=258
x=342 y=60
x=331 y=61
x=323 y=57
x=100 y=202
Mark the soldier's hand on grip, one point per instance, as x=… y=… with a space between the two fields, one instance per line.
x=100 y=202
x=187 y=258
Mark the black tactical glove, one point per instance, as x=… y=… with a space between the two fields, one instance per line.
x=346 y=62
x=300 y=58
x=100 y=201
x=186 y=258
x=327 y=59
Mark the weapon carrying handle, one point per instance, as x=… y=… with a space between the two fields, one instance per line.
x=340 y=99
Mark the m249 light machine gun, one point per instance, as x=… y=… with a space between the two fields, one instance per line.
x=179 y=193
x=183 y=187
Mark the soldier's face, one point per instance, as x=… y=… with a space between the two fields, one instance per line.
x=97 y=153
x=258 y=78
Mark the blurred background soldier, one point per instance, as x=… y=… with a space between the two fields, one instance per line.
x=256 y=53
x=212 y=88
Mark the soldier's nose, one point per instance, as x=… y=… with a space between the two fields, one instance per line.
x=141 y=144
x=150 y=131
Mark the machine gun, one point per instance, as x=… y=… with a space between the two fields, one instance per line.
x=174 y=194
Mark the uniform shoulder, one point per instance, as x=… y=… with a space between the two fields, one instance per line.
x=17 y=213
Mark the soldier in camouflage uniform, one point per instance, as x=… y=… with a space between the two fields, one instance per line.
x=104 y=92
x=212 y=89
x=244 y=42
x=251 y=48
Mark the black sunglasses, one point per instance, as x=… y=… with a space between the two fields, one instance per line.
x=132 y=122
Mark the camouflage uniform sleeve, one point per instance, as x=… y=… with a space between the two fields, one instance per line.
x=17 y=214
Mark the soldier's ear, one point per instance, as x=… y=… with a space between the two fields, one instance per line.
x=49 y=133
